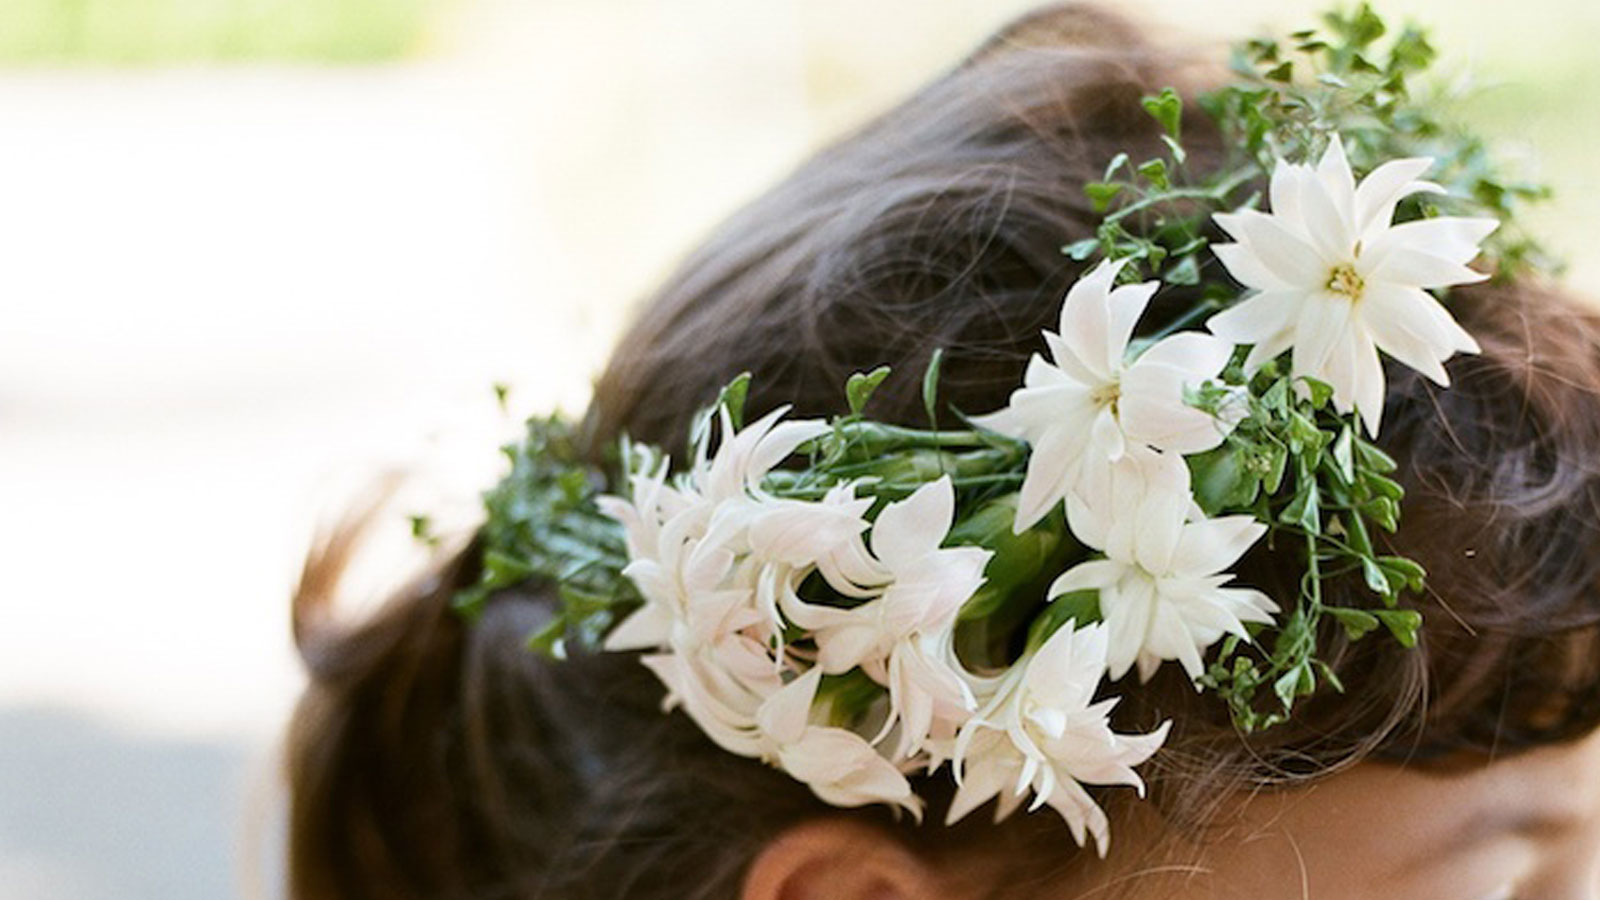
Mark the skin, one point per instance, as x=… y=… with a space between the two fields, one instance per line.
x=1525 y=827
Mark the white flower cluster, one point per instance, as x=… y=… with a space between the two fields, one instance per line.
x=721 y=565
x=764 y=616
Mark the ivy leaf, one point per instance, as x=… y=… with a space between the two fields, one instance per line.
x=1402 y=623
x=1357 y=622
x=1101 y=193
x=1156 y=171
x=1410 y=573
x=1321 y=392
x=1304 y=510
x=1376 y=579
x=1166 y=108
x=859 y=389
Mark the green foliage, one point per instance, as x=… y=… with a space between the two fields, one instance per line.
x=1356 y=77
x=1352 y=77
x=1308 y=473
x=543 y=526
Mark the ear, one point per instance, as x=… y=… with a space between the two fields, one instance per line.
x=836 y=859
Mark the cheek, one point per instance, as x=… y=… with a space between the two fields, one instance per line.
x=1497 y=871
x=1374 y=863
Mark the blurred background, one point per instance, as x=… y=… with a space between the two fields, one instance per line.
x=255 y=253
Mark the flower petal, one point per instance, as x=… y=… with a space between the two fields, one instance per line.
x=1127 y=609
x=1086 y=319
x=910 y=529
x=1052 y=468
x=785 y=715
x=1212 y=545
x=1383 y=188
x=1248 y=269
x=1289 y=257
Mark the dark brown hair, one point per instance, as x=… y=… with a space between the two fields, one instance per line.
x=430 y=758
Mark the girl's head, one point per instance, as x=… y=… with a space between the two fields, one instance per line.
x=431 y=758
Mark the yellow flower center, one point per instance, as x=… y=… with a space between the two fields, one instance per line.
x=1107 y=395
x=1346 y=282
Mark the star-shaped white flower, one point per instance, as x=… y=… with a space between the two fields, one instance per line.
x=1162 y=584
x=1041 y=731
x=689 y=542
x=900 y=636
x=1336 y=281
x=840 y=766
x=1089 y=404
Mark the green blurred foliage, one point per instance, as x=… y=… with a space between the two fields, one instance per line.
x=157 y=31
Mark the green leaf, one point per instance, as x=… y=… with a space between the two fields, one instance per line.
x=1411 y=573
x=1101 y=193
x=1343 y=459
x=1079 y=607
x=1321 y=392
x=1385 y=487
x=1361 y=28
x=550 y=640
x=1276 y=397
x=859 y=389
x=930 y=387
x=1283 y=72
x=1187 y=271
x=1166 y=108
x=502 y=393
x=1383 y=511
x=1222 y=479
x=1297 y=682
x=1117 y=162
x=1277 y=463
x=1082 y=250
x=1179 y=155
x=1375 y=578
x=1303 y=433
x=1156 y=171
x=1372 y=458
x=733 y=397
x=1357 y=622
x=1402 y=623
x=1304 y=510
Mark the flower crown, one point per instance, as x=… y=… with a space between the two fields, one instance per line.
x=855 y=618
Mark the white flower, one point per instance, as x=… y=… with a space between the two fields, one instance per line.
x=1162 y=584
x=900 y=636
x=1334 y=280
x=1042 y=732
x=722 y=699
x=1089 y=404
x=745 y=457
x=840 y=766
x=687 y=542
